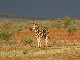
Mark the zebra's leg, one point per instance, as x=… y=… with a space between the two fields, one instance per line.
x=39 y=43
x=46 y=41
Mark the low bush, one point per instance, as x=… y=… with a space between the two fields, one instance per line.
x=9 y=42
x=71 y=29
x=5 y=34
x=69 y=25
x=27 y=40
x=67 y=21
x=25 y=51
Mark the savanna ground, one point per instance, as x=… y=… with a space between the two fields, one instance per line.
x=17 y=42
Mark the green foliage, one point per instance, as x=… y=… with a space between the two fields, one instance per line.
x=9 y=42
x=27 y=40
x=18 y=26
x=67 y=21
x=71 y=29
x=50 y=23
x=6 y=30
x=6 y=24
x=25 y=51
x=69 y=25
x=5 y=34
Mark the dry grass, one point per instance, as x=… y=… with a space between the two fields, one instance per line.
x=62 y=46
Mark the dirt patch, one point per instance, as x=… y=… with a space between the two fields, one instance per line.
x=54 y=34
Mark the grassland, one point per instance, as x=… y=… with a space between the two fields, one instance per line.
x=17 y=42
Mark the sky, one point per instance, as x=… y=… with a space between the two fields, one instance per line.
x=41 y=8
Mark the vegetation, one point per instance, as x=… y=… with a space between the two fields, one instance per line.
x=69 y=25
x=5 y=31
x=11 y=31
x=27 y=40
x=50 y=53
x=67 y=21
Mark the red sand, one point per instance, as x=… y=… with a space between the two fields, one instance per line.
x=54 y=34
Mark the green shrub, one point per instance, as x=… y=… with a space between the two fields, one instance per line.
x=6 y=30
x=67 y=21
x=69 y=25
x=5 y=34
x=1 y=43
x=10 y=42
x=18 y=27
x=25 y=51
x=71 y=29
x=6 y=24
x=27 y=40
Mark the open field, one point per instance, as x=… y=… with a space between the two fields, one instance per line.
x=17 y=42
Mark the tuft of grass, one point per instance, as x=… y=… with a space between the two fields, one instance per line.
x=25 y=51
x=10 y=42
x=71 y=29
x=27 y=40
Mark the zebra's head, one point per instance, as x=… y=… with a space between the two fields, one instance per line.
x=34 y=27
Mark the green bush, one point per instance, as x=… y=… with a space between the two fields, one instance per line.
x=67 y=21
x=27 y=40
x=25 y=51
x=18 y=26
x=5 y=34
x=71 y=29
x=69 y=25
x=6 y=30
x=9 y=42
x=6 y=24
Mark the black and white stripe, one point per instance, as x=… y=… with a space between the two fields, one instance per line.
x=43 y=33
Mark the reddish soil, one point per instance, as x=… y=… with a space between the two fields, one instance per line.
x=61 y=34
x=54 y=34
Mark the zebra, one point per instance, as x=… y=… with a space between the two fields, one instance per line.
x=43 y=33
